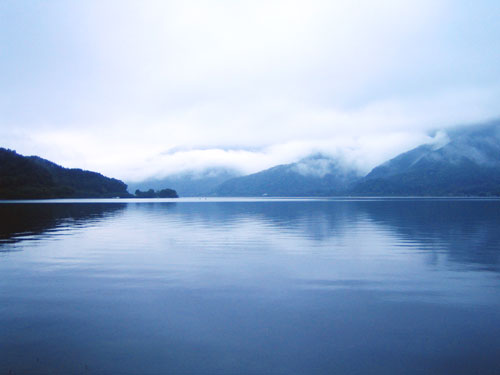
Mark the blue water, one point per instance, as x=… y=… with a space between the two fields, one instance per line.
x=251 y=286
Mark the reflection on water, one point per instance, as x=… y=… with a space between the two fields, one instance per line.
x=465 y=231
x=251 y=287
x=29 y=221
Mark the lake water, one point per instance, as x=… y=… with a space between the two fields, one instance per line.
x=263 y=286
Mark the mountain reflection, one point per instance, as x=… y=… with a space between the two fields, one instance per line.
x=466 y=231
x=29 y=220
x=316 y=219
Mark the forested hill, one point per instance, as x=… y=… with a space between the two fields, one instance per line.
x=31 y=177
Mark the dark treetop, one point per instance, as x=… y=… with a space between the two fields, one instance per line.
x=164 y=193
x=31 y=177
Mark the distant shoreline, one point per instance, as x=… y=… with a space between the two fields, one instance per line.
x=247 y=199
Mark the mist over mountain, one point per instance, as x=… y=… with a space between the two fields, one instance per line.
x=189 y=183
x=312 y=176
x=466 y=163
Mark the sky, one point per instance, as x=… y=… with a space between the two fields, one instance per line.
x=138 y=89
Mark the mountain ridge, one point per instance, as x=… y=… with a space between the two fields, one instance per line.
x=463 y=162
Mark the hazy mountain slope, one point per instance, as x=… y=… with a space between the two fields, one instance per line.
x=316 y=175
x=469 y=164
x=189 y=184
x=23 y=177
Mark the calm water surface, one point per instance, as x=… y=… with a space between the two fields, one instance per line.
x=250 y=287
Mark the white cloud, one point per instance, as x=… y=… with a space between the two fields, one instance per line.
x=114 y=85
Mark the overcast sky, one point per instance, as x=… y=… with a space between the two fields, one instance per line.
x=139 y=88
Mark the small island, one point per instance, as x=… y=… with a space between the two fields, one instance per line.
x=164 y=193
